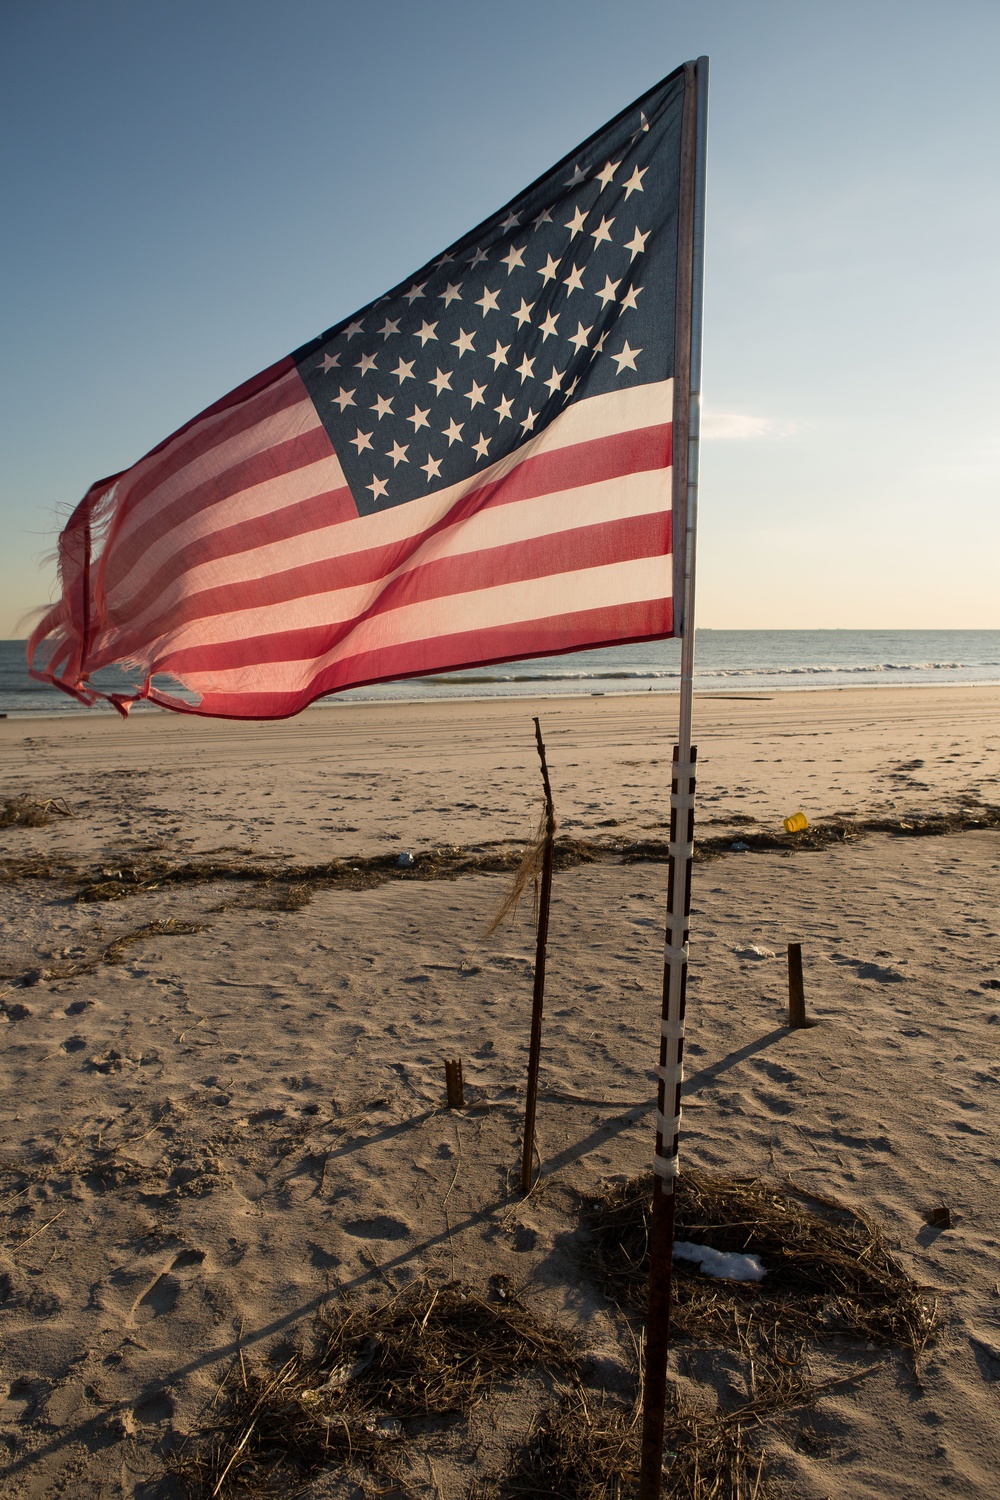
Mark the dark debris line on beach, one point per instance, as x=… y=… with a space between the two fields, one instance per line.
x=291 y=883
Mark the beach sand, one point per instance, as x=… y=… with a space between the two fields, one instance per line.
x=210 y=1138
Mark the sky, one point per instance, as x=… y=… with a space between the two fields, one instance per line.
x=192 y=190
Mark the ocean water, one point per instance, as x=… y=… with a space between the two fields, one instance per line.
x=728 y=661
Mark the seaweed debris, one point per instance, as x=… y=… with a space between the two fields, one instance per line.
x=425 y=1352
x=845 y=829
x=28 y=812
x=581 y=1452
x=113 y=953
x=291 y=884
x=150 y=870
x=829 y=1271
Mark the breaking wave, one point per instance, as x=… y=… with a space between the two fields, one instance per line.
x=625 y=674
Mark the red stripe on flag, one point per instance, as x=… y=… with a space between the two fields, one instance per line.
x=258 y=468
x=203 y=434
x=566 y=468
x=644 y=621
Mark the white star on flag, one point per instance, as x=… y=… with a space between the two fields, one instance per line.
x=634 y=184
x=637 y=244
x=607 y=291
x=576 y=223
x=626 y=358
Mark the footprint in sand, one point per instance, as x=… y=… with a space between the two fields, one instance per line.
x=867 y=970
x=154 y=1408
x=164 y=1292
x=380 y=1227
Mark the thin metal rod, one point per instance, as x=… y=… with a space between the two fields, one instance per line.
x=687 y=410
x=538 y=996
x=694 y=407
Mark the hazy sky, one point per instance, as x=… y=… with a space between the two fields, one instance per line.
x=191 y=190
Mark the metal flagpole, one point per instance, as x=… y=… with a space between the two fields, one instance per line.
x=687 y=410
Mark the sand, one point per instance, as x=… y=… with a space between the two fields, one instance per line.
x=238 y=1122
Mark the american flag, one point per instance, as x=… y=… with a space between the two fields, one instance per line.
x=474 y=468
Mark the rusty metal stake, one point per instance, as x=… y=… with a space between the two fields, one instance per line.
x=541 y=940
x=454 y=1082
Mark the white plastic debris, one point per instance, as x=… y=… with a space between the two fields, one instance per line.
x=404 y=861
x=728 y=1265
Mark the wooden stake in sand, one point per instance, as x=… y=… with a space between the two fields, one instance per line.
x=796 y=987
x=538 y=996
x=686 y=421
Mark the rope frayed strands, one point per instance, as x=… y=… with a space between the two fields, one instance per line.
x=528 y=873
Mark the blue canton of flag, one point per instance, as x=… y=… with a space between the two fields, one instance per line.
x=567 y=292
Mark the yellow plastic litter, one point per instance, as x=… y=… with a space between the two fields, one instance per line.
x=796 y=823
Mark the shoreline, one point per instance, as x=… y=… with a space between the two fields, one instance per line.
x=72 y=714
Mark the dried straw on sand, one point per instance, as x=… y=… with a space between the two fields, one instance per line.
x=829 y=1270
x=424 y=1352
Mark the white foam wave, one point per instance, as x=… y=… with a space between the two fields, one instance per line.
x=625 y=674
